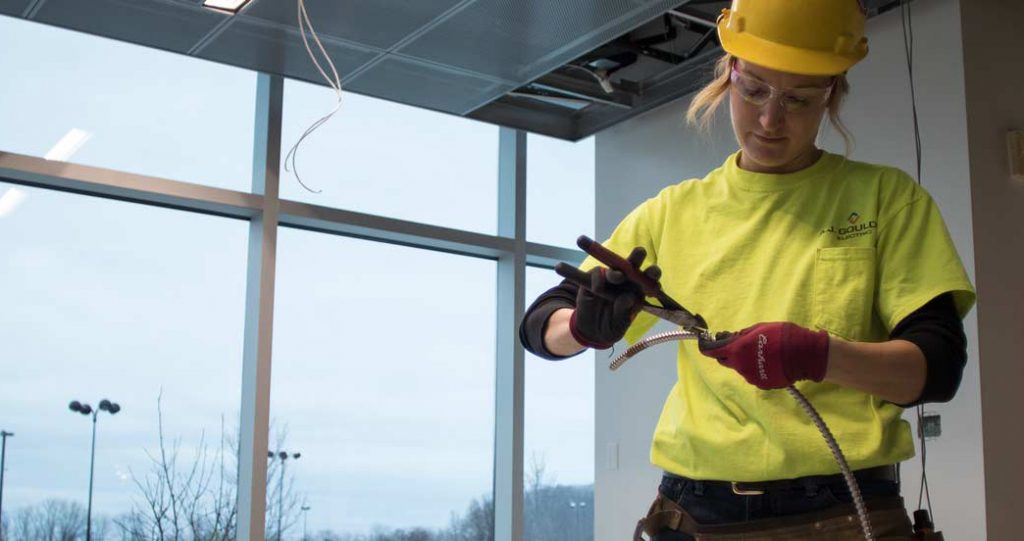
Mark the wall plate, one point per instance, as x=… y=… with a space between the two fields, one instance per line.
x=1015 y=150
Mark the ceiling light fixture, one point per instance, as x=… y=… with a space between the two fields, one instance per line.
x=229 y=6
x=68 y=145
x=10 y=201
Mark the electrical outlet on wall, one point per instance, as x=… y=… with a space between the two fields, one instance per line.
x=931 y=425
x=1015 y=149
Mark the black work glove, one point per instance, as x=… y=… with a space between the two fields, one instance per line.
x=606 y=308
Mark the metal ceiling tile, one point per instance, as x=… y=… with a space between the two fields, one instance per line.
x=273 y=48
x=14 y=7
x=426 y=85
x=380 y=23
x=520 y=40
x=172 y=26
x=531 y=116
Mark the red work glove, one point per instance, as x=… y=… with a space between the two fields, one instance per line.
x=772 y=355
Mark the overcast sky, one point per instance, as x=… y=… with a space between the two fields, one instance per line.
x=383 y=373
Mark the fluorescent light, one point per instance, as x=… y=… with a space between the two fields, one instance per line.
x=231 y=6
x=10 y=201
x=68 y=145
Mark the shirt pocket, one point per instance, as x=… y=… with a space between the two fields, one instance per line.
x=844 y=291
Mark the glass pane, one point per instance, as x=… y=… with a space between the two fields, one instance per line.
x=138 y=305
x=380 y=157
x=560 y=190
x=383 y=380
x=136 y=109
x=559 y=441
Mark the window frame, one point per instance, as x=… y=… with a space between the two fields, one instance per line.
x=266 y=212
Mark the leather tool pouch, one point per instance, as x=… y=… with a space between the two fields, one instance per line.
x=664 y=515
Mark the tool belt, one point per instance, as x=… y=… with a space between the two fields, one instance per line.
x=756 y=488
x=840 y=523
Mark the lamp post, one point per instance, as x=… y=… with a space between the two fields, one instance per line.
x=305 y=525
x=577 y=507
x=283 y=456
x=3 y=456
x=85 y=409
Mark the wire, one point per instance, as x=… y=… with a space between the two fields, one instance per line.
x=906 y=18
x=334 y=82
x=600 y=75
x=923 y=492
x=908 y=46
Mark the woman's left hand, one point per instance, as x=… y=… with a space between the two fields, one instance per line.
x=772 y=355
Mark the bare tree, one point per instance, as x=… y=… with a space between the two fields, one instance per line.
x=178 y=500
x=539 y=523
x=476 y=525
x=195 y=498
x=51 y=520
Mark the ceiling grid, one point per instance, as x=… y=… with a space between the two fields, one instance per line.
x=564 y=68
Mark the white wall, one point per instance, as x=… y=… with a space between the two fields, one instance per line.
x=637 y=158
x=994 y=76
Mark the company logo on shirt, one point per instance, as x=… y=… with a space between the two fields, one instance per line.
x=857 y=228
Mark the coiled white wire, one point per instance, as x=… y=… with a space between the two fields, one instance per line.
x=334 y=82
x=833 y=445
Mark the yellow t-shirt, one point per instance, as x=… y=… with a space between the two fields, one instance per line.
x=844 y=246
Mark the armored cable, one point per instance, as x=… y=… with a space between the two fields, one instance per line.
x=826 y=433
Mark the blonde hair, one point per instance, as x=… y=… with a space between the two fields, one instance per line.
x=705 y=103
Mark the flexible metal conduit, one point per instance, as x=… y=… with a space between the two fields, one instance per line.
x=851 y=481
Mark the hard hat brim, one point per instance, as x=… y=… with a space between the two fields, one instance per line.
x=785 y=58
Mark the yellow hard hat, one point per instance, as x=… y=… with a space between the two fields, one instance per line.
x=809 y=37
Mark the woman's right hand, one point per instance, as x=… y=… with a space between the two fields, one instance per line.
x=606 y=308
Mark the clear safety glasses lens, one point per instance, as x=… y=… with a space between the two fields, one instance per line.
x=793 y=100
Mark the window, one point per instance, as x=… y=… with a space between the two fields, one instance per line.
x=135 y=304
x=560 y=194
x=383 y=376
x=383 y=158
x=383 y=380
x=559 y=439
x=142 y=111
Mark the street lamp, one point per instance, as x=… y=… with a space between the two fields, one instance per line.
x=85 y=409
x=577 y=507
x=283 y=456
x=3 y=455
x=305 y=525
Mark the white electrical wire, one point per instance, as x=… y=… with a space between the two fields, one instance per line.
x=334 y=82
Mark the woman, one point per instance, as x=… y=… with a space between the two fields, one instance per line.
x=841 y=274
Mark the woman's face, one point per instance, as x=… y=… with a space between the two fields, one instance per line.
x=776 y=116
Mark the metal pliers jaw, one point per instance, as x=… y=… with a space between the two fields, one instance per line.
x=670 y=310
x=689 y=322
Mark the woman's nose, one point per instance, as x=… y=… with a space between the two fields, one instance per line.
x=772 y=116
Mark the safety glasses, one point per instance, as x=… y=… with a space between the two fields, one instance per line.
x=793 y=100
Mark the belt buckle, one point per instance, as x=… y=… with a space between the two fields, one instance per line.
x=745 y=492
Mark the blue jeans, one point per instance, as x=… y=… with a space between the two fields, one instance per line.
x=715 y=503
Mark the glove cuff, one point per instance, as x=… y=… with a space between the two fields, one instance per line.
x=816 y=347
x=821 y=349
x=582 y=340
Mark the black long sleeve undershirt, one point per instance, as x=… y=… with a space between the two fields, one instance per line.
x=935 y=328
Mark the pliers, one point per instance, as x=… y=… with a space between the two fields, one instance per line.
x=670 y=310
